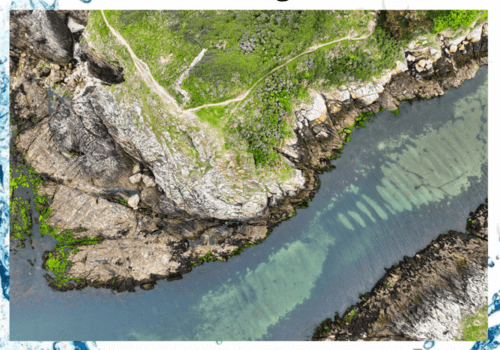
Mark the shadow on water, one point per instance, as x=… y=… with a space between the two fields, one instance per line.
x=367 y=216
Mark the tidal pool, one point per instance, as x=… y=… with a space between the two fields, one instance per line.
x=367 y=215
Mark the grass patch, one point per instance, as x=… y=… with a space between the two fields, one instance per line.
x=453 y=19
x=215 y=116
x=242 y=45
x=475 y=326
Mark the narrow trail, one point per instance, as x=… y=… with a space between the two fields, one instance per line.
x=244 y=95
x=143 y=69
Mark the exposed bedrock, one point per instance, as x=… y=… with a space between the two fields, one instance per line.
x=117 y=180
x=99 y=66
x=42 y=33
x=138 y=249
x=53 y=36
x=423 y=297
x=317 y=126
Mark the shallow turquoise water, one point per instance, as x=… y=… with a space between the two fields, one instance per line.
x=366 y=216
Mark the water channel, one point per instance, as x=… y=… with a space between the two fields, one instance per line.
x=367 y=215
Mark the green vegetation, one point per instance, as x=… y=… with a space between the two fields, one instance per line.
x=475 y=326
x=359 y=122
x=168 y=41
x=395 y=112
x=461 y=264
x=123 y=201
x=383 y=319
x=20 y=211
x=454 y=19
x=208 y=258
x=268 y=127
x=336 y=64
x=402 y=24
x=56 y=261
x=407 y=24
x=215 y=116
x=243 y=46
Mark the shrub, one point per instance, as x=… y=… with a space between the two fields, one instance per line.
x=454 y=19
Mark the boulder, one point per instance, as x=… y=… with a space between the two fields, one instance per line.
x=318 y=109
x=436 y=54
x=148 y=181
x=135 y=178
x=423 y=65
x=134 y=201
x=475 y=34
x=32 y=103
x=147 y=286
x=366 y=93
x=136 y=168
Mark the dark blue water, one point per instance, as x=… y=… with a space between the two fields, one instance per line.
x=366 y=216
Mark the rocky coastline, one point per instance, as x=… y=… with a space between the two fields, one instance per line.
x=98 y=182
x=422 y=297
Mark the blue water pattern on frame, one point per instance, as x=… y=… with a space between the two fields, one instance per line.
x=493 y=331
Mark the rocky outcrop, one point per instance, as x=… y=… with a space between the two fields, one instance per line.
x=138 y=248
x=98 y=66
x=136 y=189
x=425 y=73
x=43 y=34
x=425 y=296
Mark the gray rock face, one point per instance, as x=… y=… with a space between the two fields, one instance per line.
x=79 y=128
x=74 y=209
x=99 y=66
x=130 y=255
x=31 y=101
x=42 y=33
x=96 y=165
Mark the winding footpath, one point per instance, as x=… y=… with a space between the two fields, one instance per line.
x=245 y=94
x=143 y=69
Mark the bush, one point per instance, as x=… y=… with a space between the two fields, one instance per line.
x=402 y=24
x=269 y=128
x=454 y=19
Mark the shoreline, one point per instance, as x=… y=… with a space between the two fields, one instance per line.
x=420 y=296
x=317 y=142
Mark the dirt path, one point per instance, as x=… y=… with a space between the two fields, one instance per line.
x=244 y=95
x=143 y=69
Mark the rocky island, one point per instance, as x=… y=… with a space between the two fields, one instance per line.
x=423 y=297
x=147 y=161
